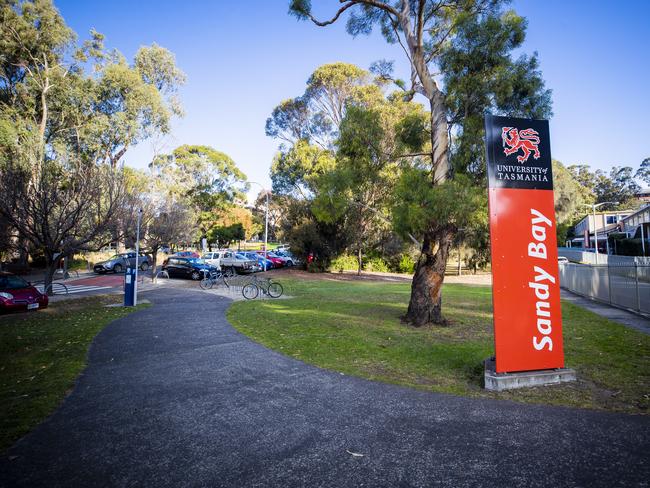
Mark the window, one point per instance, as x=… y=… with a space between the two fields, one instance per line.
x=611 y=219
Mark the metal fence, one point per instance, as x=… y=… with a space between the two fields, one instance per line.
x=617 y=284
x=581 y=256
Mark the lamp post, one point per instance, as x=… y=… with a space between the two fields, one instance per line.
x=594 y=206
x=137 y=258
x=266 y=222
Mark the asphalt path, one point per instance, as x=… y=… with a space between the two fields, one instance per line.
x=174 y=396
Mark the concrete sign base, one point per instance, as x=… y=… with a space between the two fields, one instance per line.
x=522 y=379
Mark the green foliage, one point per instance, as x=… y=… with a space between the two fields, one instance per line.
x=480 y=75
x=570 y=196
x=643 y=173
x=344 y=262
x=376 y=264
x=225 y=235
x=205 y=179
x=295 y=171
x=406 y=264
x=457 y=203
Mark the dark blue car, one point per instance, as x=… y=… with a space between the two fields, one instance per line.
x=179 y=267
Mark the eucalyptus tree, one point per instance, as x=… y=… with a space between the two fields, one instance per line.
x=460 y=54
x=65 y=129
x=206 y=179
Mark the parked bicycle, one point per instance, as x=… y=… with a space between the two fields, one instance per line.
x=214 y=278
x=268 y=287
x=53 y=288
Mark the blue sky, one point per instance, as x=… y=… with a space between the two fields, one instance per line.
x=243 y=58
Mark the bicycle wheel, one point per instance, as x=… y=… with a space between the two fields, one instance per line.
x=206 y=283
x=275 y=290
x=56 y=289
x=250 y=291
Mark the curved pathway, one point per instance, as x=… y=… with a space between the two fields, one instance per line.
x=174 y=396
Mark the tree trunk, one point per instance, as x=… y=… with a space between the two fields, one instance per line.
x=50 y=269
x=360 y=261
x=425 y=306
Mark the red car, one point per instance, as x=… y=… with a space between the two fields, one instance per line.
x=277 y=262
x=17 y=294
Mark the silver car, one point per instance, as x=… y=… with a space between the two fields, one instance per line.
x=119 y=262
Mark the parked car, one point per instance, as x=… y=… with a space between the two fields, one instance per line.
x=17 y=294
x=182 y=267
x=260 y=260
x=236 y=261
x=119 y=262
x=562 y=259
x=289 y=259
x=278 y=255
x=187 y=254
x=213 y=258
x=277 y=262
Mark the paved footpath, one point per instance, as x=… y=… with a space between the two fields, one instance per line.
x=174 y=396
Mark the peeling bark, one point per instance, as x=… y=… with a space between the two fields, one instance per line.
x=425 y=306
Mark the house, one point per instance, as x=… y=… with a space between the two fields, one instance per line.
x=602 y=223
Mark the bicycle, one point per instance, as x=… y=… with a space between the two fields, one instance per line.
x=52 y=289
x=269 y=287
x=210 y=279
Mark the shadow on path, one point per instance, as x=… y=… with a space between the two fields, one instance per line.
x=174 y=396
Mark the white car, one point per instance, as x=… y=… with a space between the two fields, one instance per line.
x=562 y=260
x=213 y=258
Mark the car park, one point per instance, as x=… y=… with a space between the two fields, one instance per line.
x=17 y=294
x=119 y=262
x=183 y=267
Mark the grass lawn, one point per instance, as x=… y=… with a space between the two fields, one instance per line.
x=42 y=355
x=354 y=327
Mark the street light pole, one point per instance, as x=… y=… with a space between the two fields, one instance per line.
x=137 y=257
x=266 y=229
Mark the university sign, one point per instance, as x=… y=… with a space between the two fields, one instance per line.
x=526 y=289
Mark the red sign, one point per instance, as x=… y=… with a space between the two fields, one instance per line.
x=526 y=288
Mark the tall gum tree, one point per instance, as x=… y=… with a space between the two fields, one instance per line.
x=459 y=53
x=64 y=128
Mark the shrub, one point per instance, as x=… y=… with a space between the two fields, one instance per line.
x=344 y=262
x=376 y=264
x=406 y=264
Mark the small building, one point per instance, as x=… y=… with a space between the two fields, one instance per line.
x=637 y=226
x=602 y=223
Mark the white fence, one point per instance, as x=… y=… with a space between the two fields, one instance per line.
x=617 y=284
x=590 y=258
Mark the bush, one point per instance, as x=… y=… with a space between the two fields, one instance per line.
x=315 y=267
x=406 y=264
x=344 y=262
x=376 y=264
